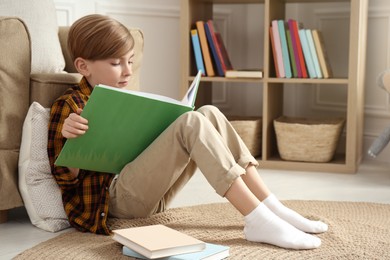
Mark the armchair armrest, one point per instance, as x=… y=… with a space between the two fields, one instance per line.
x=45 y=88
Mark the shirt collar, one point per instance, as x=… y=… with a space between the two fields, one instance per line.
x=85 y=87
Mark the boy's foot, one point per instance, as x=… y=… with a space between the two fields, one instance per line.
x=262 y=225
x=292 y=217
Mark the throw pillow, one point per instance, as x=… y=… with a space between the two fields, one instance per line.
x=38 y=188
x=41 y=20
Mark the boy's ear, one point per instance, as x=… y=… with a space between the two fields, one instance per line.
x=81 y=66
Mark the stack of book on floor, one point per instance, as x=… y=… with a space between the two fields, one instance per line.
x=210 y=53
x=162 y=242
x=298 y=52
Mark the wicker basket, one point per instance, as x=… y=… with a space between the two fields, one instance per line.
x=249 y=129
x=308 y=140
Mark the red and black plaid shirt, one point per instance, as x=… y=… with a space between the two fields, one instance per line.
x=86 y=197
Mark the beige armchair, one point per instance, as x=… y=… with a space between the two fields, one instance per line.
x=19 y=88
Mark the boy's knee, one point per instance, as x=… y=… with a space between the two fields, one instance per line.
x=208 y=109
x=190 y=118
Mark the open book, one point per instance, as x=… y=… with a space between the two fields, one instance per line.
x=122 y=123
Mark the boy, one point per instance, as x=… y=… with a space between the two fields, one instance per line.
x=102 y=50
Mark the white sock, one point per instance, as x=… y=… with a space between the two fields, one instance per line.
x=262 y=225
x=293 y=217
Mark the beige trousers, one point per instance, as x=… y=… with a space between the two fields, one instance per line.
x=202 y=138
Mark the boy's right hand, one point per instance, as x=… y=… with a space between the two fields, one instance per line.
x=74 y=125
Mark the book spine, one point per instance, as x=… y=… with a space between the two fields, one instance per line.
x=313 y=52
x=205 y=48
x=306 y=53
x=213 y=50
x=299 y=48
x=322 y=55
x=197 y=51
x=217 y=48
x=278 y=48
x=295 y=48
x=224 y=53
x=283 y=43
x=291 y=53
x=271 y=36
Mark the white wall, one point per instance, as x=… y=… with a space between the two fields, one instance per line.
x=241 y=27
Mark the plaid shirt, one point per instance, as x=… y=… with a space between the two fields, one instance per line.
x=85 y=197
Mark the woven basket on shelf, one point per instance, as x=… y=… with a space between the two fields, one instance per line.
x=249 y=129
x=308 y=140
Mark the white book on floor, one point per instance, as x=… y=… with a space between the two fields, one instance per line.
x=157 y=241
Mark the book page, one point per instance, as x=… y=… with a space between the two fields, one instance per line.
x=188 y=100
x=189 y=97
x=145 y=94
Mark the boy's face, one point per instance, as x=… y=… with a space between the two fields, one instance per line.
x=114 y=72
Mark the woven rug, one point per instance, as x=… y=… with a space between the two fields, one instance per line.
x=357 y=230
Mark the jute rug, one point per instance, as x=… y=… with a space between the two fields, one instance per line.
x=357 y=230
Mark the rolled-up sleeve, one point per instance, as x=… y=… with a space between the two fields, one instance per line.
x=59 y=112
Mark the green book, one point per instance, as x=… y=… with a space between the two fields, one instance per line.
x=291 y=53
x=122 y=123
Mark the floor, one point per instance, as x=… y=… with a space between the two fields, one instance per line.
x=371 y=184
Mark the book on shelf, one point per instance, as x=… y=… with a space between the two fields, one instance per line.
x=275 y=58
x=322 y=54
x=295 y=37
x=283 y=44
x=156 y=241
x=294 y=51
x=205 y=48
x=313 y=52
x=220 y=48
x=291 y=53
x=244 y=73
x=211 y=252
x=122 y=123
x=226 y=63
x=307 y=54
x=197 y=51
x=213 y=48
x=278 y=48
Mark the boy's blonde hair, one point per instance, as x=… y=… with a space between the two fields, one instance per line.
x=99 y=37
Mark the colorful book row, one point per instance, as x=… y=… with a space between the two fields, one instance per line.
x=210 y=53
x=298 y=52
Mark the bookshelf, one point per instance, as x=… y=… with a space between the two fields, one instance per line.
x=273 y=88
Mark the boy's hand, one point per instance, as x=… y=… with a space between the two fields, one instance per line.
x=74 y=125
